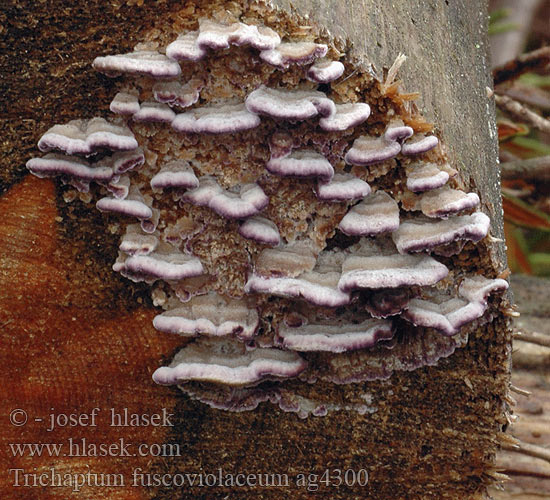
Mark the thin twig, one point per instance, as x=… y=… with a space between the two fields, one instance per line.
x=531 y=450
x=526 y=94
x=536 y=60
x=533 y=338
x=531 y=169
x=519 y=390
x=522 y=114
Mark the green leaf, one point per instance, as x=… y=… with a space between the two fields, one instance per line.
x=498 y=15
x=526 y=147
x=497 y=29
x=535 y=80
x=540 y=263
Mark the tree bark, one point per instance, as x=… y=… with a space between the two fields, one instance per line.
x=76 y=337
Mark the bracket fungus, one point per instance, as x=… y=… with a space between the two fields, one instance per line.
x=275 y=218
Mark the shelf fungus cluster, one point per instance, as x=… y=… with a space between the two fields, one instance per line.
x=295 y=224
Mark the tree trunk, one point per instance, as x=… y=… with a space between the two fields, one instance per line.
x=75 y=336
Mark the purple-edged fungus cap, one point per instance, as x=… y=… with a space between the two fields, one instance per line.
x=175 y=94
x=133 y=205
x=303 y=163
x=445 y=201
x=175 y=174
x=325 y=71
x=185 y=48
x=342 y=187
x=220 y=36
x=288 y=53
x=376 y=214
x=337 y=337
x=172 y=266
x=151 y=111
x=416 y=235
x=347 y=115
x=124 y=104
x=250 y=200
x=419 y=144
x=136 y=242
x=119 y=186
x=294 y=272
x=219 y=119
x=448 y=314
x=367 y=150
x=87 y=137
x=141 y=62
x=150 y=225
x=54 y=164
x=229 y=363
x=208 y=187
x=385 y=303
x=425 y=177
x=390 y=271
x=290 y=260
x=210 y=315
x=261 y=230
x=477 y=288
x=318 y=288
x=291 y=105
x=125 y=161
x=397 y=131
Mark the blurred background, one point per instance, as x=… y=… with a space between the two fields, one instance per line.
x=520 y=52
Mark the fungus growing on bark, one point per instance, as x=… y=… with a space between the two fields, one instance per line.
x=346 y=266
x=367 y=150
x=261 y=230
x=250 y=200
x=419 y=144
x=230 y=363
x=54 y=164
x=150 y=111
x=342 y=187
x=444 y=202
x=175 y=174
x=287 y=53
x=210 y=315
x=140 y=62
x=124 y=104
x=301 y=164
x=345 y=116
x=174 y=93
x=425 y=177
x=376 y=214
x=337 y=337
x=325 y=71
x=217 y=119
x=291 y=105
x=168 y=265
x=420 y=234
x=133 y=205
x=87 y=137
x=447 y=313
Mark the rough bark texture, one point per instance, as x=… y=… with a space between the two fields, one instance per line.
x=74 y=336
